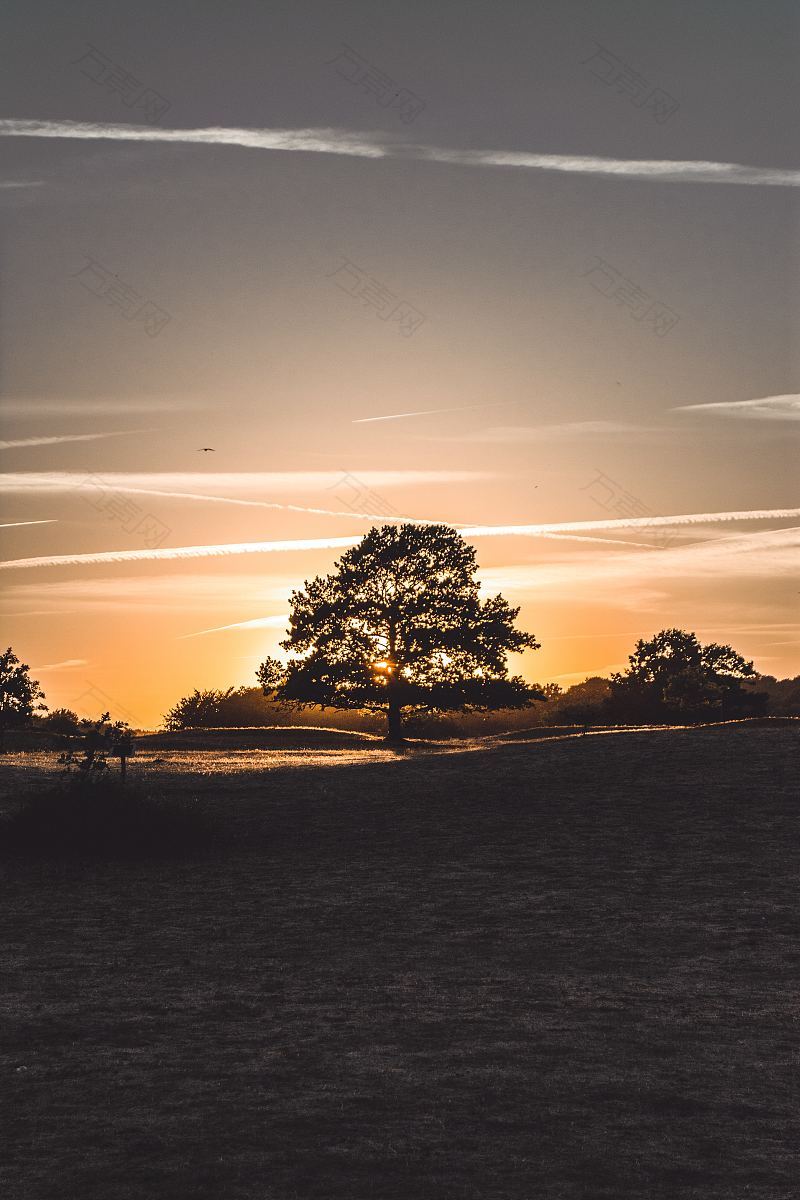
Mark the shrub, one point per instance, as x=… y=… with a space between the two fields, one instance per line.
x=60 y=720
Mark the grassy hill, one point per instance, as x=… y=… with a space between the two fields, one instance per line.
x=561 y=968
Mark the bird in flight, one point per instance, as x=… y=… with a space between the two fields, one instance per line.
x=206 y=450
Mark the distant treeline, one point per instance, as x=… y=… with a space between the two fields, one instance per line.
x=589 y=703
x=592 y=702
x=671 y=679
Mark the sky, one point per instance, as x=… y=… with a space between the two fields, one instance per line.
x=531 y=270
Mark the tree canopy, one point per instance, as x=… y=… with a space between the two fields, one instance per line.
x=18 y=692
x=673 y=677
x=400 y=626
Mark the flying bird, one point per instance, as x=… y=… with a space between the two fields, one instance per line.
x=206 y=450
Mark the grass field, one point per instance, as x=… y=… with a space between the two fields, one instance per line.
x=562 y=968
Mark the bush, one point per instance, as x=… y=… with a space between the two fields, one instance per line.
x=101 y=816
x=60 y=720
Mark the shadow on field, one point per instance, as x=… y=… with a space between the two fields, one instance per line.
x=564 y=969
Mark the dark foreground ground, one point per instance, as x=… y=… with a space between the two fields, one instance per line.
x=561 y=969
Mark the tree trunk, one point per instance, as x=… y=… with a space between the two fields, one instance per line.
x=394 y=718
x=394 y=722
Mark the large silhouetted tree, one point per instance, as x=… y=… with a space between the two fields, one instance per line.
x=400 y=626
x=18 y=693
x=673 y=677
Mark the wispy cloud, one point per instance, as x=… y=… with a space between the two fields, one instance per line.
x=20 y=183
x=768 y=553
x=174 y=592
x=280 y=622
x=57 y=439
x=377 y=145
x=768 y=408
x=300 y=544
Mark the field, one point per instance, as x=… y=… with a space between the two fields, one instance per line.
x=563 y=968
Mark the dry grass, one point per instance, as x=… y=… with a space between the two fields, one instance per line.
x=565 y=969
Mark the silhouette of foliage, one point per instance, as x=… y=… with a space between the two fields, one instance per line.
x=672 y=677
x=201 y=710
x=400 y=627
x=18 y=693
x=60 y=720
x=582 y=704
x=100 y=739
x=92 y=811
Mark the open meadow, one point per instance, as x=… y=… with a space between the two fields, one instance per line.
x=565 y=968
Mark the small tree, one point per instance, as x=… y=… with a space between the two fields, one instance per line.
x=18 y=693
x=201 y=710
x=61 y=720
x=673 y=677
x=583 y=703
x=400 y=627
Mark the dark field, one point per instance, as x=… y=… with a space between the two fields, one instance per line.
x=565 y=968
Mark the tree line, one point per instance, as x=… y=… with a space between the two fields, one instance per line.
x=397 y=635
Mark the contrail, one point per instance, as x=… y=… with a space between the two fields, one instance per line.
x=66 y=481
x=559 y=529
x=65 y=665
x=225 y=548
x=283 y=481
x=395 y=518
x=67 y=437
x=427 y=412
x=16 y=524
x=377 y=145
x=71 y=407
x=771 y=408
x=766 y=514
x=257 y=623
x=209 y=499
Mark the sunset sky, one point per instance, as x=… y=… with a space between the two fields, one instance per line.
x=531 y=270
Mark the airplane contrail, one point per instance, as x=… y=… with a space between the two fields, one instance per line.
x=66 y=664
x=61 y=486
x=57 y=439
x=393 y=518
x=772 y=408
x=427 y=412
x=176 y=552
x=268 y=547
x=78 y=407
x=280 y=622
x=295 y=481
x=377 y=145
x=767 y=514
x=71 y=481
x=16 y=524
